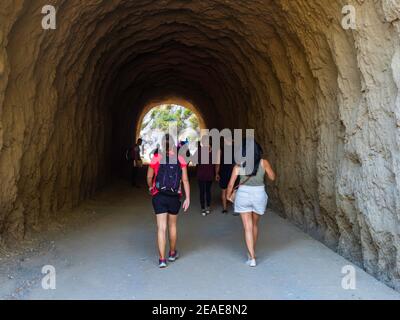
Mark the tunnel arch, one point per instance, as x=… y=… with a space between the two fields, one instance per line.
x=168 y=101
x=323 y=105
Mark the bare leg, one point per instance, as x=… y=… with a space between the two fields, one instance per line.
x=256 y=219
x=247 y=220
x=224 y=200
x=162 y=233
x=172 y=221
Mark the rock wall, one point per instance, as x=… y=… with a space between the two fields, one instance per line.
x=324 y=102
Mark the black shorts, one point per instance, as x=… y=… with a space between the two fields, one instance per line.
x=223 y=183
x=166 y=204
x=225 y=176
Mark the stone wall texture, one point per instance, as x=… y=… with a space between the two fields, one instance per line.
x=324 y=101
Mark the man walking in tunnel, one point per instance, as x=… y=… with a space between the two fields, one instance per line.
x=136 y=161
x=166 y=173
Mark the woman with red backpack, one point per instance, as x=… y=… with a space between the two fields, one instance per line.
x=166 y=174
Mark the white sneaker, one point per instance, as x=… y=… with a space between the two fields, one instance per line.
x=252 y=263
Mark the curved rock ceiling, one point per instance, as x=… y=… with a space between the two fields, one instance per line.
x=324 y=102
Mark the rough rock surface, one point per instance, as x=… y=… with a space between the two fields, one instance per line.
x=324 y=101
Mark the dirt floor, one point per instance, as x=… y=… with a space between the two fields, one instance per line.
x=105 y=249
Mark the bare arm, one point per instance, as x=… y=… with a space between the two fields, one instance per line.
x=268 y=169
x=232 y=181
x=185 y=181
x=186 y=187
x=150 y=176
x=218 y=166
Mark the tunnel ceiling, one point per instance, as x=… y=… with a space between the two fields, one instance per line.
x=201 y=52
x=323 y=101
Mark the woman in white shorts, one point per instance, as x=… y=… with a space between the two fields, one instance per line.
x=251 y=199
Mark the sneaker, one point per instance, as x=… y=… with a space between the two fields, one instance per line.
x=162 y=263
x=208 y=210
x=225 y=211
x=173 y=257
x=251 y=263
x=203 y=212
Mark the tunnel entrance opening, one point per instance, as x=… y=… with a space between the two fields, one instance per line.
x=324 y=108
x=159 y=118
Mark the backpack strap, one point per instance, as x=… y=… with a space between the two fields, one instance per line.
x=243 y=182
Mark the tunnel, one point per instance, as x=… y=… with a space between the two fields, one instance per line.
x=323 y=101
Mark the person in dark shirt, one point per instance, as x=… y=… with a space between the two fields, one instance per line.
x=205 y=174
x=224 y=170
x=137 y=162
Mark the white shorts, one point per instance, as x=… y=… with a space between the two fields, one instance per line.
x=251 y=199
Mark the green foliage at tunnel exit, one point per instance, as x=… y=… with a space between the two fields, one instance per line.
x=161 y=117
x=157 y=121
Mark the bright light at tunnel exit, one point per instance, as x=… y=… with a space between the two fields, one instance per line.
x=157 y=121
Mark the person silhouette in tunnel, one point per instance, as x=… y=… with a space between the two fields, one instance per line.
x=136 y=161
x=249 y=197
x=205 y=173
x=165 y=176
x=224 y=169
